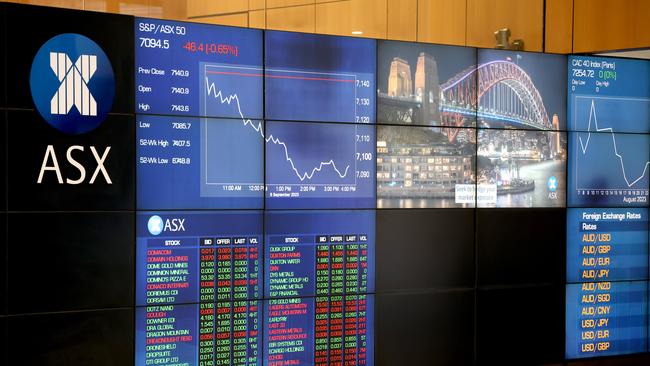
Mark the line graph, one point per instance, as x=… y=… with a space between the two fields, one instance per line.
x=212 y=91
x=302 y=159
x=607 y=167
x=593 y=117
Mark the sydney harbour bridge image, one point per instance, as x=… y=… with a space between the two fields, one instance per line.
x=485 y=124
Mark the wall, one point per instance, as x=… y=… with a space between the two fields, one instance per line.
x=557 y=26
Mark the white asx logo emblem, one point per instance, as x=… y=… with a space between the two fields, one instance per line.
x=72 y=83
x=74 y=79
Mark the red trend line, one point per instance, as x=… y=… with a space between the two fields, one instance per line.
x=281 y=76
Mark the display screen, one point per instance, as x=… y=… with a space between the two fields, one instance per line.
x=606 y=95
x=423 y=84
x=319 y=165
x=606 y=318
x=319 y=78
x=422 y=167
x=607 y=244
x=191 y=257
x=190 y=163
x=521 y=90
x=195 y=69
x=319 y=253
x=222 y=333
x=608 y=169
x=337 y=330
x=521 y=168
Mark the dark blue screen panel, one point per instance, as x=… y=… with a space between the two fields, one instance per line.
x=222 y=333
x=319 y=165
x=189 y=163
x=523 y=90
x=319 y=78
x=606 y=318
x=321 y=331
x=607 y=244
x=425 y=84
x=608 y=169
x=320 y=253
x=608 y=94
x=190 y=257
x=194 y=69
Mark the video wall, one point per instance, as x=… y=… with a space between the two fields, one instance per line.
x=254 y=197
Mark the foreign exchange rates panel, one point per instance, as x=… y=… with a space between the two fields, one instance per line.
x=198 y=257
x=319 y=331
x=319 y=253
x=319 y=78
x=195 y=69
x=606 y=318
x=608 y=169
x=609 y=94
x=222 y=333
x=191 y=163
x=319 y=165
x=607 y=244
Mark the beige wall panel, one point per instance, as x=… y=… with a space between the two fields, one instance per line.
x=70 y=4
x=602 y=25
x=236 y=20
x=284 y=3
x=257 y=19
x=402 y=20
x=297 y=19
x=334 y=18
x=134 y=7
x=344 y=17
x=369 y=16
x=442 y=21
x=256 y=4
x=168 y=9
x=212 y=7
x=523 y=17
x=559 y=26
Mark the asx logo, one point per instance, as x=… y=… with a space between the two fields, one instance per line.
x=75 y=98
x=157 y=225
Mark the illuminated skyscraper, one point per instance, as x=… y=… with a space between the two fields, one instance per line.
x=427 y=88
x=400 y=83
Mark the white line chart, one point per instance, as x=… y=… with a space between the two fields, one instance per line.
x=211 y=90
x=585 y=145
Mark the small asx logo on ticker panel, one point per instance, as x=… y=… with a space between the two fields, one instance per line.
x=156 y=225
x=72 y=83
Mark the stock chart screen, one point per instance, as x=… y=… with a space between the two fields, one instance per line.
x=199 y=163
x=607 y=244
x=606 y=318
x=319 y=253
x=191 y=257
x=319 y=165
x=319 y=331
x=195 y=69
x=222 y=333
x=605 y=95
x=608 y=164
x=608 y=169
x=319 y=78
